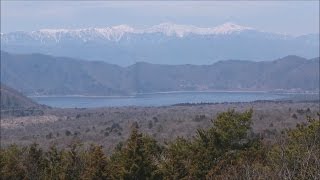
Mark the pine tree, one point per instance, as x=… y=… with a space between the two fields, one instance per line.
x=97 y=164
x=54 y=164
x=74 y=160
x=137 y=159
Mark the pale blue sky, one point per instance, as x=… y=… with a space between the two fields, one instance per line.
x=291 y=17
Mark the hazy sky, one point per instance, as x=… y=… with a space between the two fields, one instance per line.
x=291 y=17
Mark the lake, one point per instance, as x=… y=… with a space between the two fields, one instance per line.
x=155 y=99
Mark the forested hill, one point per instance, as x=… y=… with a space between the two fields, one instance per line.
x=10 y=98
x=38 y=74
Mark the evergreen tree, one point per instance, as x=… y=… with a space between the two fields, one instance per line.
x=96 y=165
x=75 y=162
x=54 y=166
x=137 y=159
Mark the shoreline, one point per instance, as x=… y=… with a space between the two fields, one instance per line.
x=164 y=92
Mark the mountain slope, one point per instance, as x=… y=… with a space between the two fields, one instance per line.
x=39 y=74
x=11 y=98
x=166 y=43
x=36 y=74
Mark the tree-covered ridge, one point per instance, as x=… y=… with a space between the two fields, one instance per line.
x=227 y=150
x=38 y=74
x=12 y=99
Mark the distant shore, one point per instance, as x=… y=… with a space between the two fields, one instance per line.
x=168 y=92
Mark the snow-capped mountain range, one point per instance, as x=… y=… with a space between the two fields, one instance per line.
x=166 y=43
x=115 y=33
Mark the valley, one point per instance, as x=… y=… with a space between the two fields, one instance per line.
x=109 y=126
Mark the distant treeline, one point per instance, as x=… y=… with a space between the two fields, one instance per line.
x=226 y=150
x=256 y=101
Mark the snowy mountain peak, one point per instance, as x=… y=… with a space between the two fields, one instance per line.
x=182 y=30
x=123 y=28
x=230 y=27
x=172 y=29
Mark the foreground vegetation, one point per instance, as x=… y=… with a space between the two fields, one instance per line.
x=227 y=150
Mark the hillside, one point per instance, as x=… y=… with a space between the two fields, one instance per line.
x=10 y=98
x=37 y=74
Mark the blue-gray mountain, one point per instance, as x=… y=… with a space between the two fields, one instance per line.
x=11 y=98
x=37 y=74
x=162 y=44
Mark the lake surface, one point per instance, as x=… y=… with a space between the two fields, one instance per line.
x=156 y=99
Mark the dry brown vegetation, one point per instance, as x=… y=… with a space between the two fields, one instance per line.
x=109 y=126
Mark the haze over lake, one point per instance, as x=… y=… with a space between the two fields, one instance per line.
x=155 y=99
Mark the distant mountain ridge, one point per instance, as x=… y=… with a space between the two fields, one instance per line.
x=166 y=43
x=37 y=74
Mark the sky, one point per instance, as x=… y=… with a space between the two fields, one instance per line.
x=289 y=17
